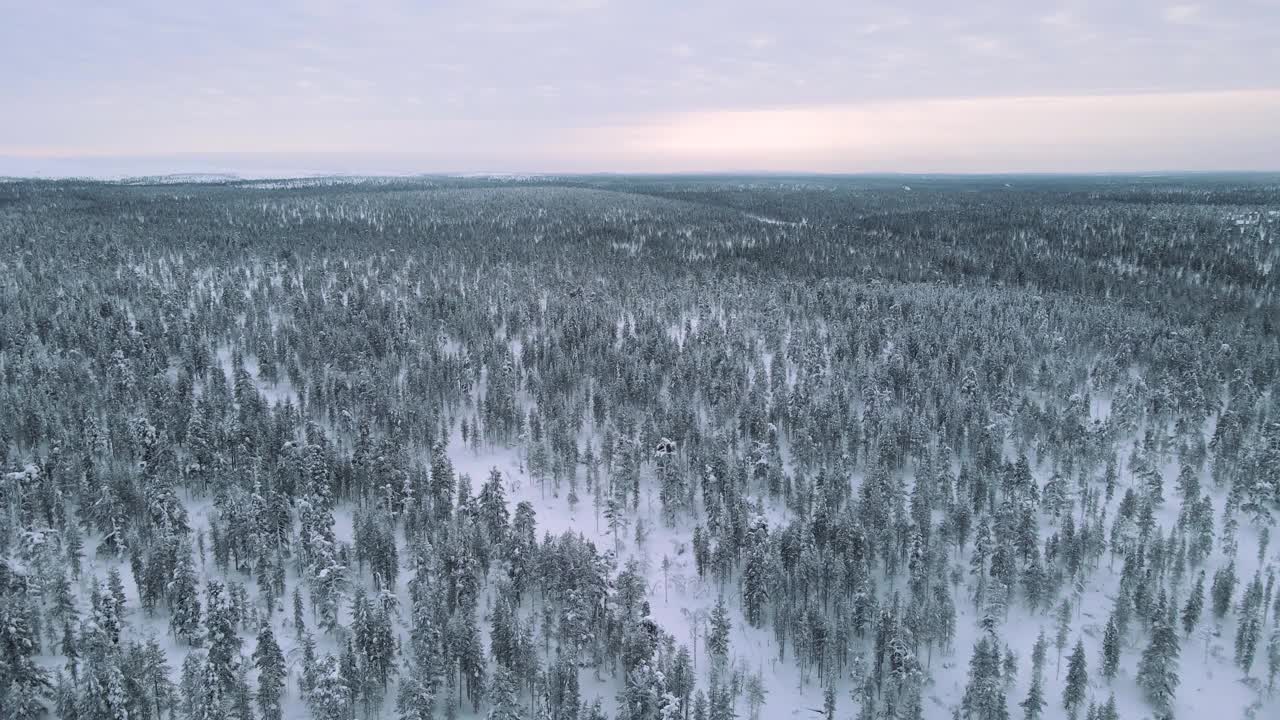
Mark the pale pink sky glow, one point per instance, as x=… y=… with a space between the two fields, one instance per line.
x=1012 y=134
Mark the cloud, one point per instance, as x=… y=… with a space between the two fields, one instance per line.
x=986 y=46
x=1181 y=14
x=1061 y=19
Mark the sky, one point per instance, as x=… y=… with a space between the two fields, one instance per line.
x=258 y=87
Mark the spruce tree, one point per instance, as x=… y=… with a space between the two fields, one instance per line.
x=269 y=661
x=224 y=641
x=1110 y=650
x=700 y=706
x=23 y=682
x=1158 y=669
x=718 y=632
x=184 y=618
x=1077 y=680
x=189 y=683
x=1195 y=605
x=1108 y=711
x=1249 y=628
x=1248 y=634
x=155 y=677
x=493 y=507
x=756 y=690
x=1224 y=586
x=1033 y=705
x=828 y=705
x=755 y=591
x=1064 y=628
x=504 y=697
x=984 y=697
x=1273 y=658
x=299 y=619
x=415 y=697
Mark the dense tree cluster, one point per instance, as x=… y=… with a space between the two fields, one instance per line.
x=878 y=425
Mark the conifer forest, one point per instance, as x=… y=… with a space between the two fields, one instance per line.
x=640 y=448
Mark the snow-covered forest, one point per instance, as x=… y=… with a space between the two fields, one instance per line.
x=640 y=448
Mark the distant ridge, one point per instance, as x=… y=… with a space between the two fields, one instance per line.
x=181 y=179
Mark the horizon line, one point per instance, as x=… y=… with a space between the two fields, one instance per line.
x=233 y=176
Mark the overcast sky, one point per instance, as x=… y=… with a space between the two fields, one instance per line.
x=263 y=87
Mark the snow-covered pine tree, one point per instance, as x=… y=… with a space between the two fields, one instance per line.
x=719 y=626
x=1063 y=632
x=1073 y=694
x=269 y=661
x=1110 y=649
x=1223 y=588
x=1194 y=607
x=1158 y=669
x=224 y=641
x=1033 y=705
x=184 y=617
x=984 y=697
